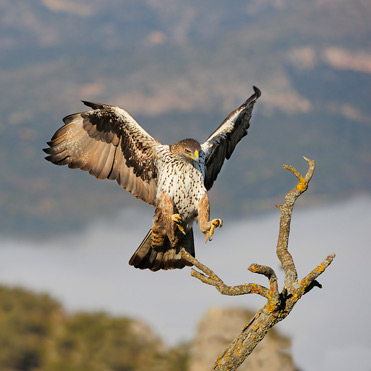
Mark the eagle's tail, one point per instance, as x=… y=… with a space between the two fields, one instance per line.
x=166 y=257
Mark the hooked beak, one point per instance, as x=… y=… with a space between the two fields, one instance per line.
x=195 y=156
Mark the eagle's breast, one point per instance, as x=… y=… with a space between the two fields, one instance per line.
x=184 y=183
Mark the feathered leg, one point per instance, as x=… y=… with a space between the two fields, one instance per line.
x=160 y=249
x=207 y=227
x=165 y=218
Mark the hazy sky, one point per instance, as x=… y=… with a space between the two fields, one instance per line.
x=330 y=328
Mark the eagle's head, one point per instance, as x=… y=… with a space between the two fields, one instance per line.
x=187 y=149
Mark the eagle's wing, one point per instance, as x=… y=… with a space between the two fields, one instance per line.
x=223 y=140
x=110 y=144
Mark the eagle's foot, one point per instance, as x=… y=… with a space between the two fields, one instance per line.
x=177 y=219
x=215 y=223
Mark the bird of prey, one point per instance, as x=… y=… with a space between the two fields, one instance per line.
x=110 y=144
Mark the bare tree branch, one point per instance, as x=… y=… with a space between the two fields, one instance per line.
x=286 y=210
x=210 y=278
x=278 y=305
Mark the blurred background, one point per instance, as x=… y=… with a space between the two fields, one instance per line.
x=180 y=67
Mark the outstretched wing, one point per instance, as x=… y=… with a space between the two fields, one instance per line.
x=222 y=142
x=110 y=144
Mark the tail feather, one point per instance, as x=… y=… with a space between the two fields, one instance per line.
x=141 y=255
x=157 y=264
x=166 y=257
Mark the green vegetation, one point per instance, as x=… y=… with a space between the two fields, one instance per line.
x=37 y=334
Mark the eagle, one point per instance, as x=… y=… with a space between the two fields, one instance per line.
x=109 y=143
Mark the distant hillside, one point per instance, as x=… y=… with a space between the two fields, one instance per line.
x=37 y=334
x=180 y=68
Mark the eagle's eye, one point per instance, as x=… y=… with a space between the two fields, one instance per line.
x=187 y=151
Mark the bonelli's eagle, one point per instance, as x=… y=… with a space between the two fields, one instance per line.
x=110 y=144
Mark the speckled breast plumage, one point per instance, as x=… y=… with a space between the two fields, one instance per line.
x=184 y=183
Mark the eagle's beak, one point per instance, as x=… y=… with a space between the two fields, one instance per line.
x=195 y=156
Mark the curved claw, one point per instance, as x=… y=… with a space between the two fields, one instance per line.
x=177 y=219
x=215 y=223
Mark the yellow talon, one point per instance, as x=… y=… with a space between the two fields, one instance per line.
x=217 y=222
x=177 y=219
x=214 y=224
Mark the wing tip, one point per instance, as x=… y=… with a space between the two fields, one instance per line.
x=257 y=91
x=94 y=105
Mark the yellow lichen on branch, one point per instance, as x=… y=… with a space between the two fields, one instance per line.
x=279 y=304
x=302 y=185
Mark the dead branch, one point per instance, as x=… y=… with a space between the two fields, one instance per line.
x=278 y=305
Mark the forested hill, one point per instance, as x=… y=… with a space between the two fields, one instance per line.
x=180 y=68
x=37 y=333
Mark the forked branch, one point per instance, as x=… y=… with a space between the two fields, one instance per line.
x=278 y=305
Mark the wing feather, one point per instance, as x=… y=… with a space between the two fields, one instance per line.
x=115 y=170
x=98 y=158
x=107 y=166
x=222 y=142
x=110 y=144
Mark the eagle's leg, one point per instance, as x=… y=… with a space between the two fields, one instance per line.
x=215 y=223
x=170 y=221
x=158 y=231
x=177 y=219
x=207 y=227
